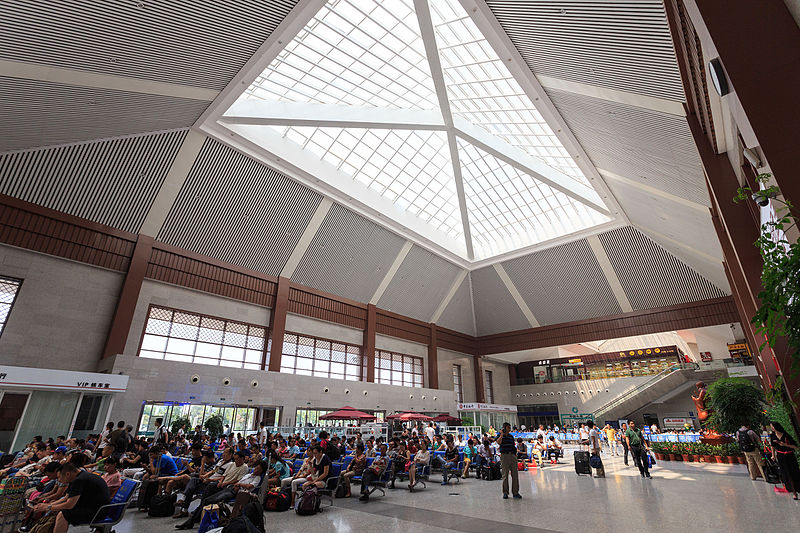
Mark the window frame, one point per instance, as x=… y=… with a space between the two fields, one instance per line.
x=403 y=359
x=18 y=282
x=319 y=372
x=458 y=383
x=202 y=360
x=488 y=386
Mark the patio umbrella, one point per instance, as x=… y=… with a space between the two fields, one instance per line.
x=409 y=416
x=449 y=420
x=347 y=413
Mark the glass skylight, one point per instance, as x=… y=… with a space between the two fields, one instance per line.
x=361 y=53
x=510 y=209
x=351 y=101
x=482 y=90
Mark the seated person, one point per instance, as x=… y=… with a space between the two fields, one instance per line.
x=539 y=450
x=421 y=459
x=294 y=450
x=369 y=449
x=86 y=494
x=247 y=488
x=522 y=450
x=450 y=462
x=333 y=451
x=401 y=460
x=300 y=477
x=224 y=489
x=135 y=462
x=470 y=455
x=279 y=470
x=112 y=476
x=554 y=448
x=200 y=483
x=355 y=468
x=321 y=466
x=180 y=480
x=485 y=454
x=373 y=472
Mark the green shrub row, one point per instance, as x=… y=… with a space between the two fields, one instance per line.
x=696 y=448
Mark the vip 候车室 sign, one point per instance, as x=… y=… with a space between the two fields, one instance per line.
x=677 y=422
x=41 y=378
x=487 y=407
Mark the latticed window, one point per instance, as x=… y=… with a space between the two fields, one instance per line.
x=9 y=287
x=398 y=369
x=457 y=383
x=488 y=386
x=192 y=338
x=312 y=356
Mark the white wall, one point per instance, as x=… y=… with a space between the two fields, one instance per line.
x=156 y=380
x=447 y=359
x=500 y=381
x=62 y=313
x=320 y=328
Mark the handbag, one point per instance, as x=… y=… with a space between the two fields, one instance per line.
x=45 y=524
x=651 y=460
x=210 y=518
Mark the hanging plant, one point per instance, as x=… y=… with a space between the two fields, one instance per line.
x=779 y=313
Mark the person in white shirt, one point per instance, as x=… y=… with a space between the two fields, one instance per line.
x=584 y=436
x=523 y=428
x=541 y=432
x=654 y=428
x=429 y=431
x=262 y=434
x=555 y=428
x=554 y=447
x=594 y=446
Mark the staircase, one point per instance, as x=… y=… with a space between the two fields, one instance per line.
x=660 y=384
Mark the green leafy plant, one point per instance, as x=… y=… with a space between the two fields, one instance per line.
x=779 y=313
x=214 y=426
x=734 y=402
x=181 y=421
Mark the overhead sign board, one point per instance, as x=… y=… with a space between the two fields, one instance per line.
x=677 y=422
x=487 y=407
x=41 y=378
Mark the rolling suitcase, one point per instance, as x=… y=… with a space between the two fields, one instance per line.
x=582 y=463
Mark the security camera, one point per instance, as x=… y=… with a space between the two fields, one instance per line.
x=435 y=398
x=226 y=381
x=410 y=396
x=194 y=379
x=347 y=391
x=365 y=393
x=326 y=389
x=254 y=383
x=423 y=396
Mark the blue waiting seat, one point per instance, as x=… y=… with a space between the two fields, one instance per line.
x=114 y=512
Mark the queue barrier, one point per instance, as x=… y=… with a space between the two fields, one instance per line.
x=575 y=437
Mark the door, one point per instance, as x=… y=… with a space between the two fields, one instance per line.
x=12 y=405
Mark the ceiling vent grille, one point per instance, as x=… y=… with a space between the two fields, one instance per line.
x=201 y=44
x=650 y=275
x=496 y=310
x=419 y=285
x=563 y=283
x=349 y=255
x=34 y=113
x=619 y=45
x=112 y=182
x=236 y=209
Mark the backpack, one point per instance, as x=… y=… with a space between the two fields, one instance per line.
x=342 y=488
x=521 y=466
x=745 y=442
x=162 y=505
x=308 y=503
x=278 y=500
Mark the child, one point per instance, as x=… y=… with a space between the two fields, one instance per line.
x=112 y=476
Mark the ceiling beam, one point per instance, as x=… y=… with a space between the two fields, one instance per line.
x=168 y=193
x=432 y=52
x=610 y=273
x=269 y=113
x=449 y=296
x=83 y=78
x=398 y=260
x=523 y=162
x=305 y=239
x=516 y=295
x=654 y=190
x=651 y=103
x=486 y=22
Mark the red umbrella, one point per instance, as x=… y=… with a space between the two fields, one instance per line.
x=451 y=420
x=409 y=416
x=347 y=413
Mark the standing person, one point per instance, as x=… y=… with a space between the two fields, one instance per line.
x=751 y=447
x=584 y=436
x=624 y=441
x=508 y=462
x=594 y=446
x=160 y=434
x=639 y=448
x=783 y=448
x=611 y=436
x=430 y=432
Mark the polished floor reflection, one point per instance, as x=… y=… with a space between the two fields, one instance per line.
x=680 y=498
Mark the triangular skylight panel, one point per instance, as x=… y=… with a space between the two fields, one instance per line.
x=413 y=119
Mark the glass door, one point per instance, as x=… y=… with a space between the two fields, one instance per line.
x=12 y=406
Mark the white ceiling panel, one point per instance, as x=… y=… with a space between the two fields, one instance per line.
x=495 y=308
x=236 y=209
x=34 y=113
x=201 y=43
x=623 y=45
x=458 y=314
x=563 y=283
x=111 y=181
x=348 y=256
x=419 y=285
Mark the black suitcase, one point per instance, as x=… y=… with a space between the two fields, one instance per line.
x=162 y=505
x=772 y=471
x=582 y=463
x=147 y=490
x=495 y=471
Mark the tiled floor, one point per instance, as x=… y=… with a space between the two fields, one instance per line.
x=680 y=498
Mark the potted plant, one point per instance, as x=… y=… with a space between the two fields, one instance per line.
x=675 y=452
x=658 y=450
x=717 y=452
x=705 y=452
x=734 y=402
x=214 y=426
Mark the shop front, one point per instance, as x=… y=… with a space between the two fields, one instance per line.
x=487 y=414
x=36 y=401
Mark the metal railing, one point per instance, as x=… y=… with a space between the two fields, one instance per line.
x=619 y=400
